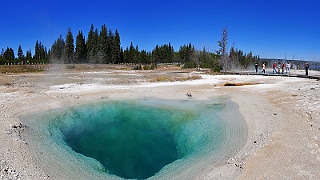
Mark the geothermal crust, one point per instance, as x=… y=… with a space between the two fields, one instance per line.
x=281 y=114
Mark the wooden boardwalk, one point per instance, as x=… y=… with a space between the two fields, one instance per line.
x=269 y=74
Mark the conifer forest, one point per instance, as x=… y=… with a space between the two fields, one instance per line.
x=103 y=46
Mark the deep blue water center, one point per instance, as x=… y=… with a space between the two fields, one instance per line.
x=129 y=140
x=135 y=139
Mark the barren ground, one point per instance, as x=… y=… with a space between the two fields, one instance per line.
x=282 y=114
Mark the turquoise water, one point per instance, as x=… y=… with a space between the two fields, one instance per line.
x=133 y=139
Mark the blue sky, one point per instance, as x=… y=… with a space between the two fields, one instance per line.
x=269 y=28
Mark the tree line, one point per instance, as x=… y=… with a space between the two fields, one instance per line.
x=101 y=47
x=8 y=56
x=104 y=47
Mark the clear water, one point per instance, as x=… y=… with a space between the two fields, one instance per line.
x=133 y=139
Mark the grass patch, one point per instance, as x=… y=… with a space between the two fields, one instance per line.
x=22 y=68
x=69 y=66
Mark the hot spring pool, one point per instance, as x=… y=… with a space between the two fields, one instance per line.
x=135 y=139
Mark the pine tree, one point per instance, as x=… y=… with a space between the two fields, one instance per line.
x=92 y=45
x=126 y=55
x=186 y=54
x=121 y=56
x=103 y=45
x=28 y=57
x=116 y=48
x=156 y=54
x=40 y=55
x=43 y=53
x=171 y=53
x=36 y=52
x=57 y=50
x=137 y=55
x=81 y=50
x=1 y=56
x=95 y=49
x=9 y=56
x=69 y=48
x=20 y=55
x=203 y=58
x=233 y=57
x=132 y=54
x=145 y=57
x=110 y=46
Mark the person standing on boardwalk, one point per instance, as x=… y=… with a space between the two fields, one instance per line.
x=256 y=66
x=274 y=66
x=264 y=67
x=288 y=66
x=307 y=68
x=282 y=68
x=279 y=67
